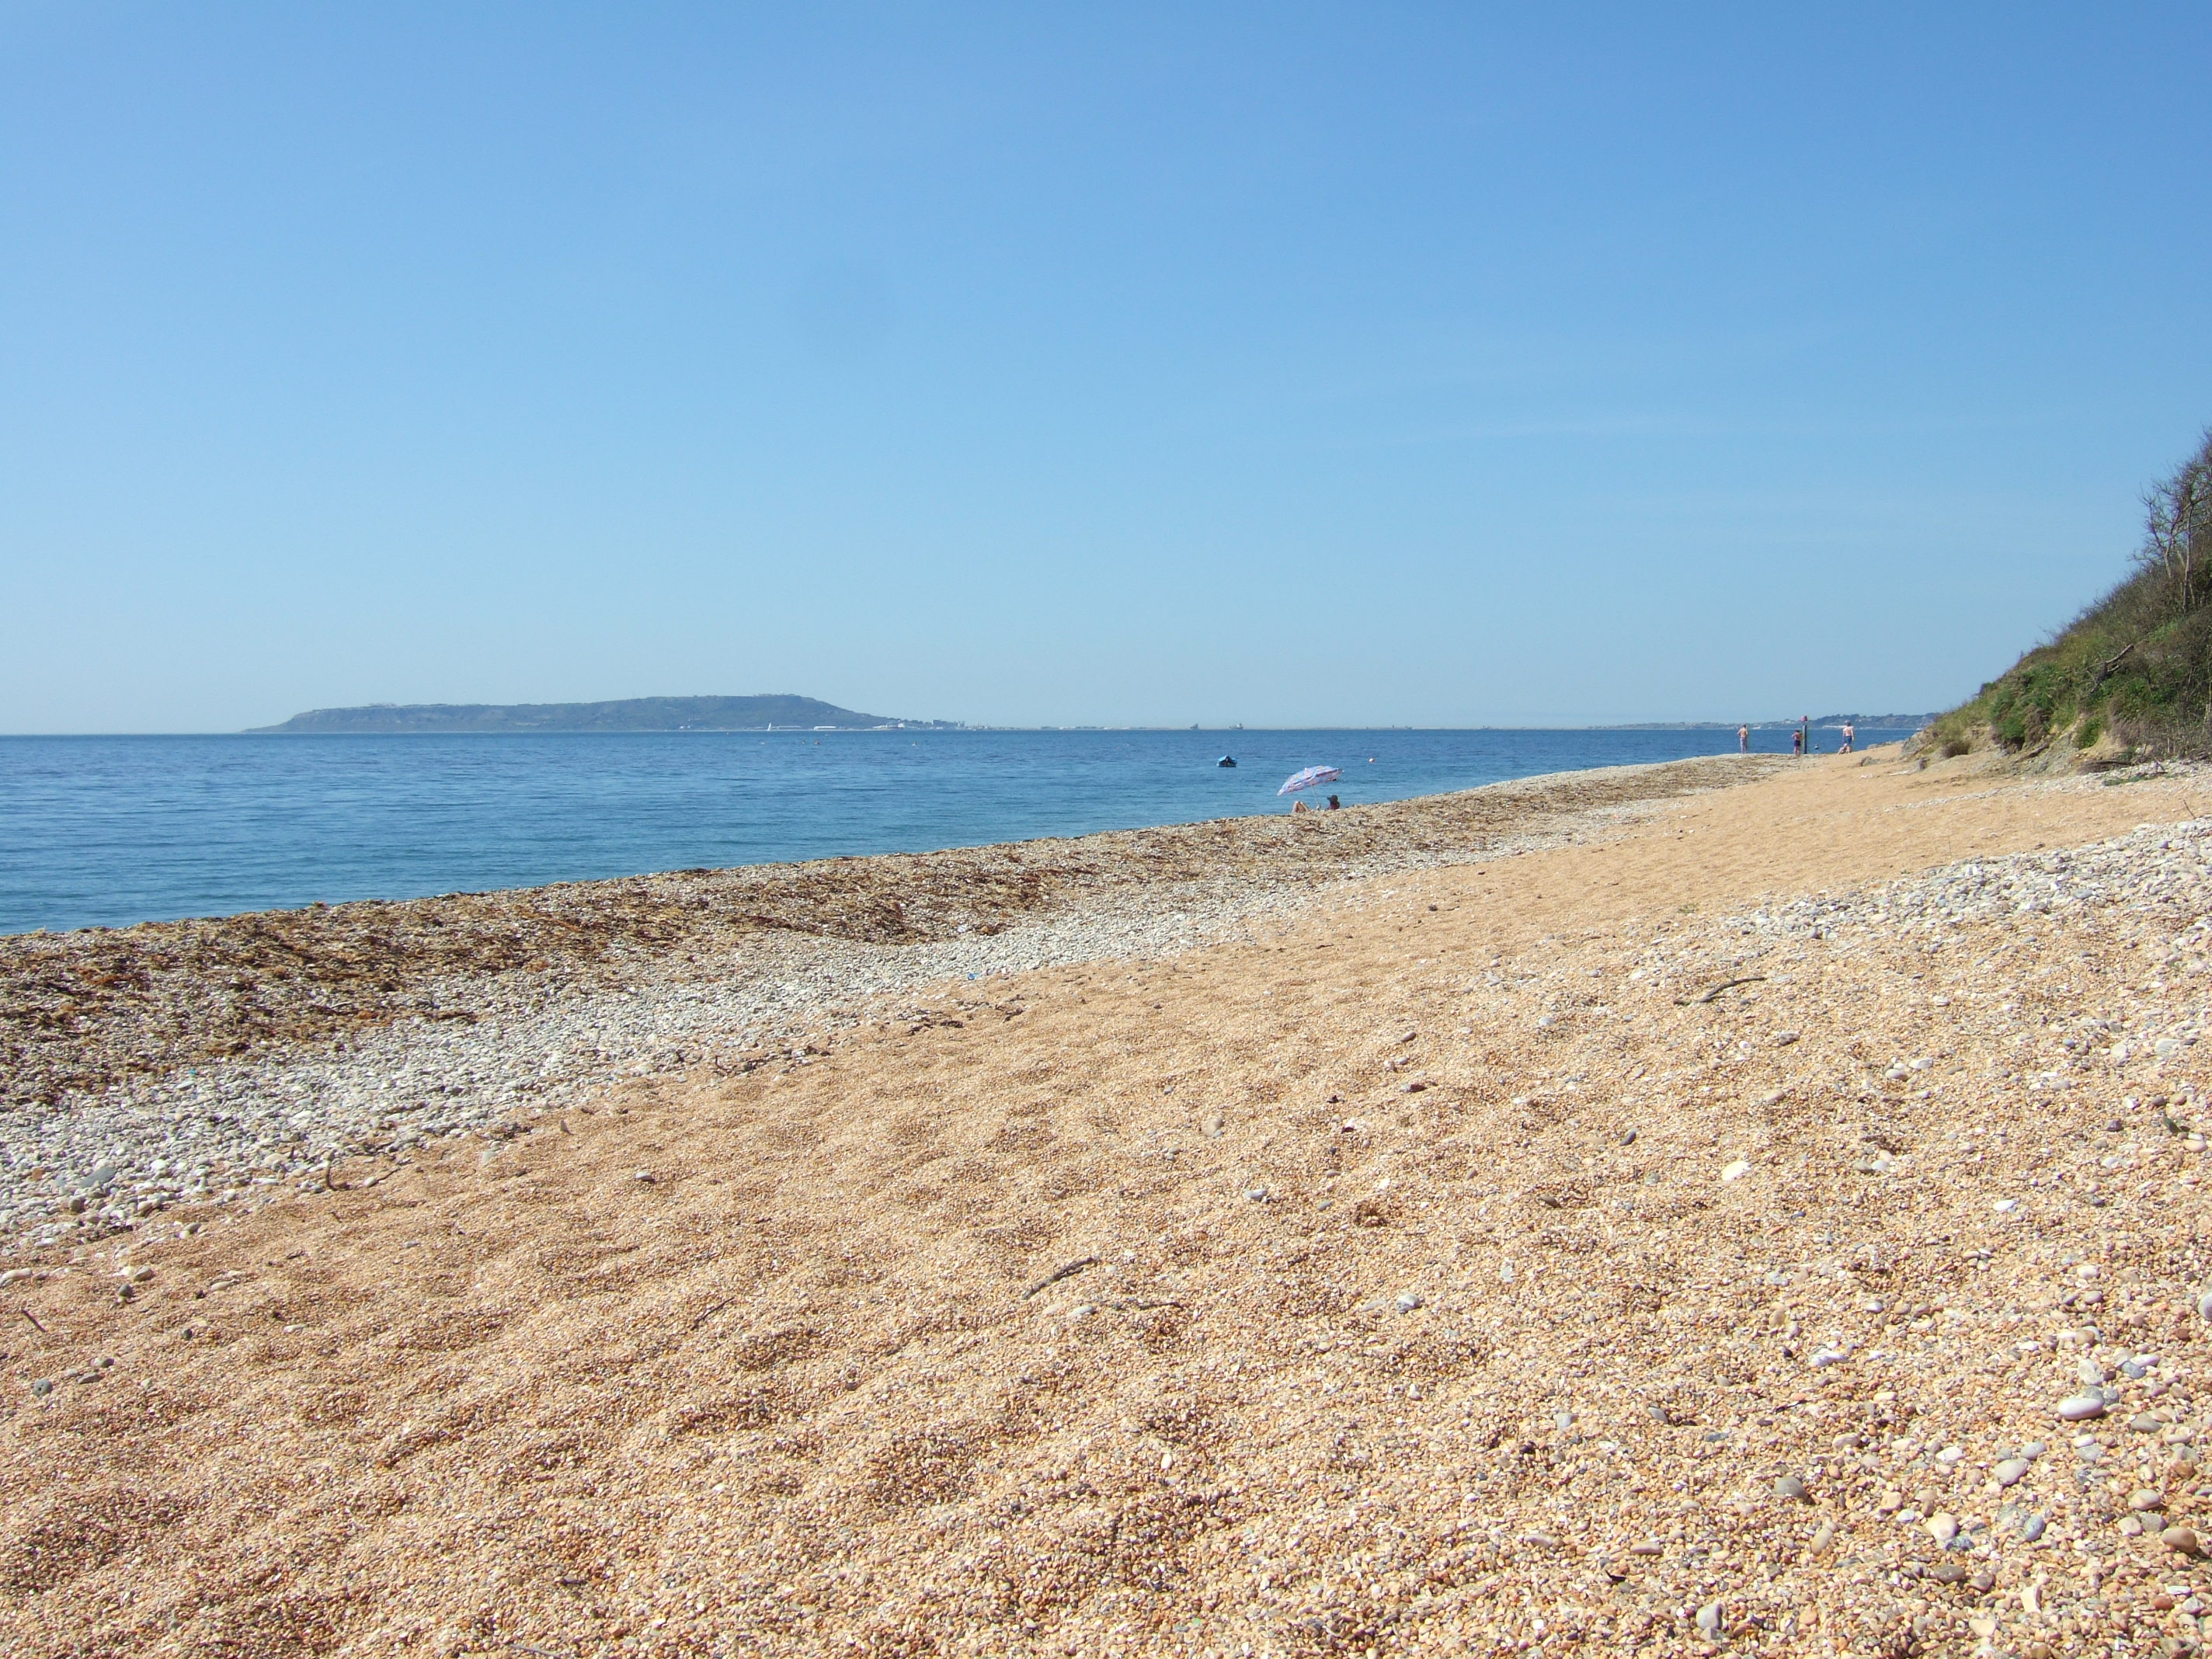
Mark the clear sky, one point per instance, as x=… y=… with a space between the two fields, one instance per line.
x=1396 y=363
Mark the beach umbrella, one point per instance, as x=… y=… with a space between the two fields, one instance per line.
x=1310 y=776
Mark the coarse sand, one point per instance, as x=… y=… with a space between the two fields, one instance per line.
x=1453 y=1265
x=177 y=1062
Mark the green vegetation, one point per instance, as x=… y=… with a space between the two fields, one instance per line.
x=2132 y=675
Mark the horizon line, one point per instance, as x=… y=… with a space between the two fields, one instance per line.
x=953 y=728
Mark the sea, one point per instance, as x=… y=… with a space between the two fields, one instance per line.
x=106 y=831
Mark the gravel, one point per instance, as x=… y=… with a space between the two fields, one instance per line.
x=1647 y=1332
x=369 y=1029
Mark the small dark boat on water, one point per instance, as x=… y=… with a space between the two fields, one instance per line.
x=1226 y=760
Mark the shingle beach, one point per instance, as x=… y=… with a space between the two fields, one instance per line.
x=1735 y=1207
x=174 y=1061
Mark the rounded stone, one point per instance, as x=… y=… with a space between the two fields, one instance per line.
x=2182 y=1540
x=2011 y=1472
x=1790 y=1489
x=2081 y=1408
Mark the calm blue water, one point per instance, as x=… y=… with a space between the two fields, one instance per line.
x=113 y=830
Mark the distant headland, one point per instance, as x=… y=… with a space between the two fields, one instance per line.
x=627 y=714
x=796 y=713
x=1891 y=721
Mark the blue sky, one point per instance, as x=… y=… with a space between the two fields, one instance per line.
x=1420 y=364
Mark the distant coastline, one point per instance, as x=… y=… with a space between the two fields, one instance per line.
x=1913 y=722
x=784 y=713
x=757 y=713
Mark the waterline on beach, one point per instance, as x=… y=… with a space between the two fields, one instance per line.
x=110 y=831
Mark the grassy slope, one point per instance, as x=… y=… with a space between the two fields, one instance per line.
x=2132 y=675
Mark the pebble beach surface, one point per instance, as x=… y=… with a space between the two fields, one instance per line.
x=1766 y=1220
x=180 y=1062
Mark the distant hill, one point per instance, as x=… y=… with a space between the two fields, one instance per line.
x=629 y=714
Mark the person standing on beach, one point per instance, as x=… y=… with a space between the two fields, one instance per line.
x=1851 y=736
x=1797 y=742
x=1743 y=740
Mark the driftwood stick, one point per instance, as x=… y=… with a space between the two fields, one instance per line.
x=1054 y=1277
x=1725 y=985
x=2105 y=668
x=34 y=1318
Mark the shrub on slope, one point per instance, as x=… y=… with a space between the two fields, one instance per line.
x=2133 y=673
